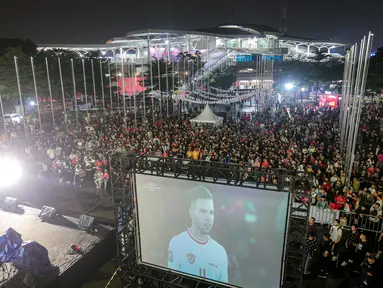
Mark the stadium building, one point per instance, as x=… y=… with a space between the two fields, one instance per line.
x=221 y=47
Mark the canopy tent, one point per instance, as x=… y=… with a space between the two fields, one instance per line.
x=207 y=116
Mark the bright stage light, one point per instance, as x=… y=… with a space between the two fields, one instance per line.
x=10 y=172
x=32 y=103
x=289 y=86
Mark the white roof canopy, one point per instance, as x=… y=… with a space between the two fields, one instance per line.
x=207 y=116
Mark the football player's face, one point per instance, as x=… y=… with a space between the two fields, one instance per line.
x=202 y=214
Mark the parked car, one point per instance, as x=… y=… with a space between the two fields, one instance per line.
x=12 y=118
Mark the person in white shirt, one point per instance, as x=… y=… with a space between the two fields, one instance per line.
x=376 y=212
x=335 y=237
x=194 y=251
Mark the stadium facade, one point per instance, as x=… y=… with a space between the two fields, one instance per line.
x=220 y=47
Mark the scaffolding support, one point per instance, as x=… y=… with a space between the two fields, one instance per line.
x=124 y=167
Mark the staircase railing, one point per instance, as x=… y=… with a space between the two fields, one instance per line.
x=222 y=64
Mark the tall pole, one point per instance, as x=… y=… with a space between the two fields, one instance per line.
x=102 y=87
x=151 y=76
x=74 y=91
x=123 y=87
x=134 y=94
x=184 y=83
x=63 y=94
x=2 y=114
x=179 y=81
x=20 y=95
x=283 y=28
x=85 y=88
x=130 y=71
x=159 y=85
x=129 y=83
x=167 y=77
x=363 y=64
x=110 y=87
x=172 y=86
x=143 y=88
x=94 y=85
x=37 y=95
x=50 y=92
x=118 y=92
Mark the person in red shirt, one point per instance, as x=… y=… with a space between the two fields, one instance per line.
x=98 y=163
x=104 y=162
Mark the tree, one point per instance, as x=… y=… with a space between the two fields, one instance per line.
x=223 y=80
x=27 y=46
x=375 y=75
x=159 y=68
x=66 y=68
x=8 y=83
x=319 y=72
x=8 y=80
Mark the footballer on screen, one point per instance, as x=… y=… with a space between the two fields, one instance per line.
x=194 y=251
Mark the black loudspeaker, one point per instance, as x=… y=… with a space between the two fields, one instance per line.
x=10 y=204
x=85 y=222
x=47 y=213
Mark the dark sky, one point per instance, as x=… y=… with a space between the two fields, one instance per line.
x=87 y=21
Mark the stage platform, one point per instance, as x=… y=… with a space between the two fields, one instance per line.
x=57 y=238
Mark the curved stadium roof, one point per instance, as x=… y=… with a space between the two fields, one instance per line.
x=231 y=30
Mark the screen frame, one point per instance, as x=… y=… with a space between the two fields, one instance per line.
x=202 y=279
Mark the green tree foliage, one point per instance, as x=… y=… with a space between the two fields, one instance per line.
x=66 y=68
x=375 y=75
x=8 y=81
x=26 y=46
x=318 y=72
x=223 y=80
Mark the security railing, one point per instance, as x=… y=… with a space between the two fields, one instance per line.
x=364 y=222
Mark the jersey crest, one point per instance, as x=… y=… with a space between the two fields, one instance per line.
x=191 y=258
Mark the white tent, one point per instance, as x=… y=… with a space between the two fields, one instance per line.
x=207 y=116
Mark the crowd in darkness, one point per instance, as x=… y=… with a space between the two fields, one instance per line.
x=302 y=138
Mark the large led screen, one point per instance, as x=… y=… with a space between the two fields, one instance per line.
x=227 y=234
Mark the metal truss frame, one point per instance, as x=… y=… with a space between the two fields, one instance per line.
x=124 y=167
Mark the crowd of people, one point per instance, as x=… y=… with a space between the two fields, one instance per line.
x=293 y=137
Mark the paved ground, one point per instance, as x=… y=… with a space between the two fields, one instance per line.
x=67 y=201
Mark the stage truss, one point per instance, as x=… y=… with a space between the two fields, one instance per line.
x=123 y=170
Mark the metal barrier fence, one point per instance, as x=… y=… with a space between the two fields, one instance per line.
x=327 y=216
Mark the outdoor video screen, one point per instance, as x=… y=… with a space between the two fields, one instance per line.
x=226 y=234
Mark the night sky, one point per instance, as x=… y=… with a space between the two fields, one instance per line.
x=90 y=22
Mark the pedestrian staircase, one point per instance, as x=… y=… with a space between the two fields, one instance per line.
x=219 y=60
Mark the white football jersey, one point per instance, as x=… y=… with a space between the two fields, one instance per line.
x=205 y=259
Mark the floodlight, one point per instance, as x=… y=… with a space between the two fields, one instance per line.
x=289 y=86
x=10 y=172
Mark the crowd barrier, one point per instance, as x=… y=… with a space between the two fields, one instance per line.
x=322 y=216
x=327 y=216
x=241 y=173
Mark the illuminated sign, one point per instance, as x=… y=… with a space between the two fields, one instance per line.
x=245 y=58
x=276 y=58
x=257 y=57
